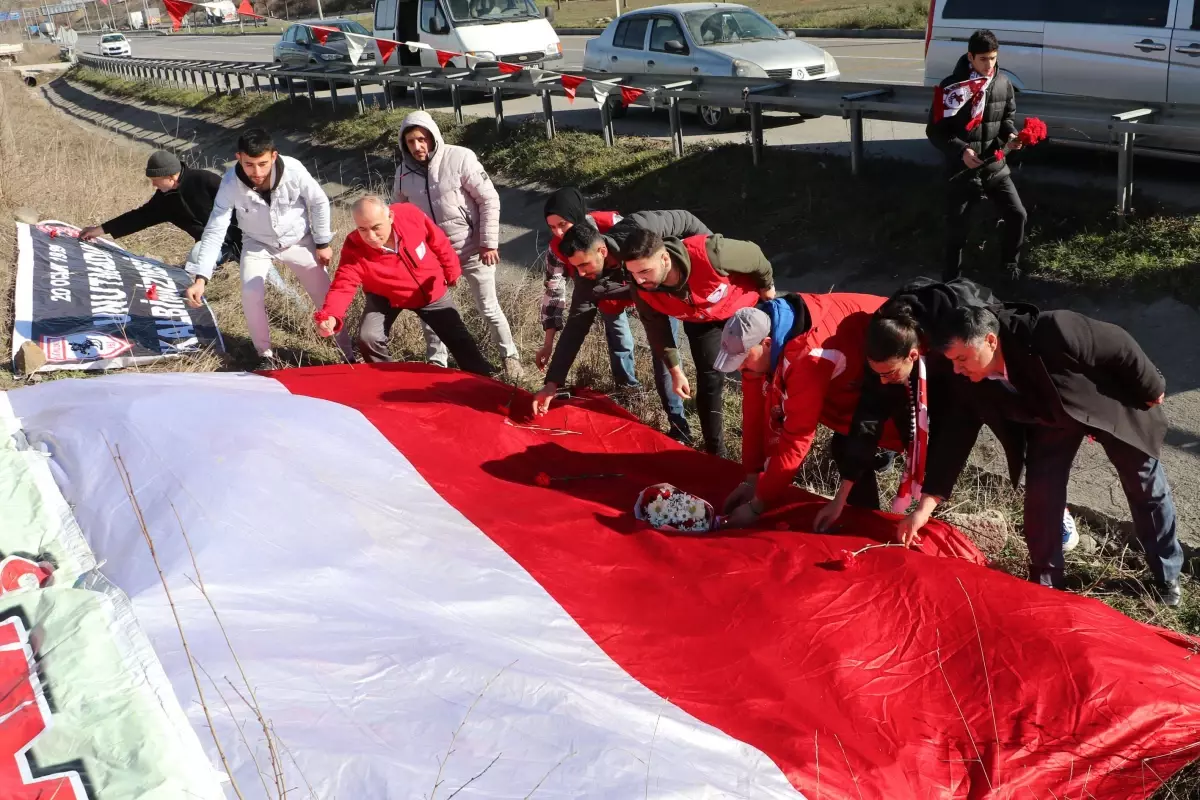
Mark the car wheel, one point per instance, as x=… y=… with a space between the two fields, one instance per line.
x=281 y=81
x=716 y=118
x=399 y=92
x=616 y=109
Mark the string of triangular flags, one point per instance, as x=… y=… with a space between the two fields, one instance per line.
x=357 y=43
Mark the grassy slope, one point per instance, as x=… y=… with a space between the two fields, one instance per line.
x=786 y=13
x=880 y=219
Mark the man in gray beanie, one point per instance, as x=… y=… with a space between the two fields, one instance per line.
x=182 y=197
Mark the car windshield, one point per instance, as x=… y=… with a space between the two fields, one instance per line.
x=112 y=38
x=349 y=26
x=468 y=11
x=729 y=26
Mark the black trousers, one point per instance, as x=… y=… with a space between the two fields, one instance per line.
x=865 y=492
x=963 y=195
x=704 y=338
x=442 y=316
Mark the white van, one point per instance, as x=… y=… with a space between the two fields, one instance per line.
x=1145 y=51
x=490 y=30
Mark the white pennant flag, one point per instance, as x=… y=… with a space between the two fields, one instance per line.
x=601 y=91
x=356 y=43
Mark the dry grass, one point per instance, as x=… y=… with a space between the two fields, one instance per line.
x=786 y=13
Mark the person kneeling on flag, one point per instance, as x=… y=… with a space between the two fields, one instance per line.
x=802 y=361
x=402 y=260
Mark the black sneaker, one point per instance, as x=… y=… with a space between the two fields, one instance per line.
x=1170 y=594
x=268 y=363
x=884 y=461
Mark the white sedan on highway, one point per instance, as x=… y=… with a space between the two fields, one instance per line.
x=115 y=44
x=705 y=39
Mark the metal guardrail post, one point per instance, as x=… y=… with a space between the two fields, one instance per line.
x=358 y=96
x=389 y=102
x=548 y=113
x=456 y=101
x=291 y=90
x=333 y=101
x=756 y=133
x=1125 y=140
x=274 y=86
x=312 y=95
x=498 y=108
x=241 y=84
x=856 y=142
x=419 y=94
x=676 y=127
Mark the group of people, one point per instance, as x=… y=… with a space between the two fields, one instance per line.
x=916 y=374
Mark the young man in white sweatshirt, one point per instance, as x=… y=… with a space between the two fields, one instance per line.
x=284 y=217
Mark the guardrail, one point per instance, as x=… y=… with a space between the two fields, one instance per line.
x=1167 y=130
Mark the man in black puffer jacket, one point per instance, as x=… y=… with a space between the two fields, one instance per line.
x=968 y=139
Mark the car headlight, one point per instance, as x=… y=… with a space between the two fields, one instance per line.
x=482 y=55
x=747 y=69
x=554 y=49
x=330 y=56
x=830 y=64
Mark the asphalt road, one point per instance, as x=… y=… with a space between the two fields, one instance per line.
x=866 y=60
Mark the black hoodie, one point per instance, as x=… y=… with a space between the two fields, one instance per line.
x=952 y=137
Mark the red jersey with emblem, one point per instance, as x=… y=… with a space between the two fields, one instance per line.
x=818 y=380
x=710 y=296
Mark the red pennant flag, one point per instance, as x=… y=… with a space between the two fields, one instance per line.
x=152 y=292
x=510 y=69
x=386 y=49
x=629 y=95
x=104 y=1
x=570 y=84
x=247 y=10
x=321 y=33
x=444 y=58
x=177 y=10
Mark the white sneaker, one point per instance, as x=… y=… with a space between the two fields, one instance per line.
x=1070 y=534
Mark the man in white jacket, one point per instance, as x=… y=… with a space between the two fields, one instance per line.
x=449 y=184
x=284 y=217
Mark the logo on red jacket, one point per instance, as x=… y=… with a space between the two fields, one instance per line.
x=718 y=293
x=89 y=346
x=24 y=716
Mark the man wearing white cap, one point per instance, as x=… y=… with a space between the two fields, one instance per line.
x=801 y=358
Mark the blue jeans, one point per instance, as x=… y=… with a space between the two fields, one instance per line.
x=1051 y=451
x=620 y=357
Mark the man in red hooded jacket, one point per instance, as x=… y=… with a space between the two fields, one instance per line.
x=402 y=260
x=801 y=357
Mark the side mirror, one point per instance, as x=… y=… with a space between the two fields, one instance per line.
x=791 y=34
x=438 y=28
x=674 y=46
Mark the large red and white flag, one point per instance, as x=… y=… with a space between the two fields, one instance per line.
x=949 y=100
x=428 y=591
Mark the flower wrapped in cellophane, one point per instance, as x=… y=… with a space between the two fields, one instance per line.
x=667 y=508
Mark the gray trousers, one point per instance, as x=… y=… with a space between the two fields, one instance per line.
x=482 y=280
x=441 y=315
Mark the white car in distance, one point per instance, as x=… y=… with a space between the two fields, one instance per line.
x=722 y=39
x=115 y=44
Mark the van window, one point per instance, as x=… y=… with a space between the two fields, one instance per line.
x=431 y=9
x=1141 y=13
x=385 y=15
x=988 y=10
x=631 y=33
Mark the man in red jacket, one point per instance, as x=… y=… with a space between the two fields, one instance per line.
x=402 y=260
x=801 y=357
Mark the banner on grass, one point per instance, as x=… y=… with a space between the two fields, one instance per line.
x=92 y=305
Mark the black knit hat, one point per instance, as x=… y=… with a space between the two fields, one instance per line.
x=567 y=203
x=163 y=165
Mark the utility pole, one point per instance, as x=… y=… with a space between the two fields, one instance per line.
x=320 y=13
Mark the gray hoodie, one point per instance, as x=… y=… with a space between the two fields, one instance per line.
x=452 y=188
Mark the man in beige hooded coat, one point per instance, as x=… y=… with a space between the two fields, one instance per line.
x=449 y=184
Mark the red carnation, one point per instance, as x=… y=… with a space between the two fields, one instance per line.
x=542 y=479
x=1033 y=132
x=999 y=154
x=53 y=233
x=848 y=560
x=152 y=292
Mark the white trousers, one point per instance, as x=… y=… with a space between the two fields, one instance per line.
x=301 y=259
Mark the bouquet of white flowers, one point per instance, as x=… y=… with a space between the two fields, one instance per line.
x=667 y=508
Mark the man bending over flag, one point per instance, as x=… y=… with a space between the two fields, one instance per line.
x=802 y=360
x=970 y=120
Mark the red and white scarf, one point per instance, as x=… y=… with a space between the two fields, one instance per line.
x=914 y=468
x=949 y=101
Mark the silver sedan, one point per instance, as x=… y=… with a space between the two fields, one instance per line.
x=705 y=39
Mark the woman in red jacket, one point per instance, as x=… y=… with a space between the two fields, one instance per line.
x=402 y=260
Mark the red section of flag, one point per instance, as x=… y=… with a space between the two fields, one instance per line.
x=510 y=69
x=322 y=33
x=177 y=10
x=444 y=58
x=247 y=10
x=629 y=95
x=874 y=676
x=386 y=49
x=570 y=84
x=152 y=292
